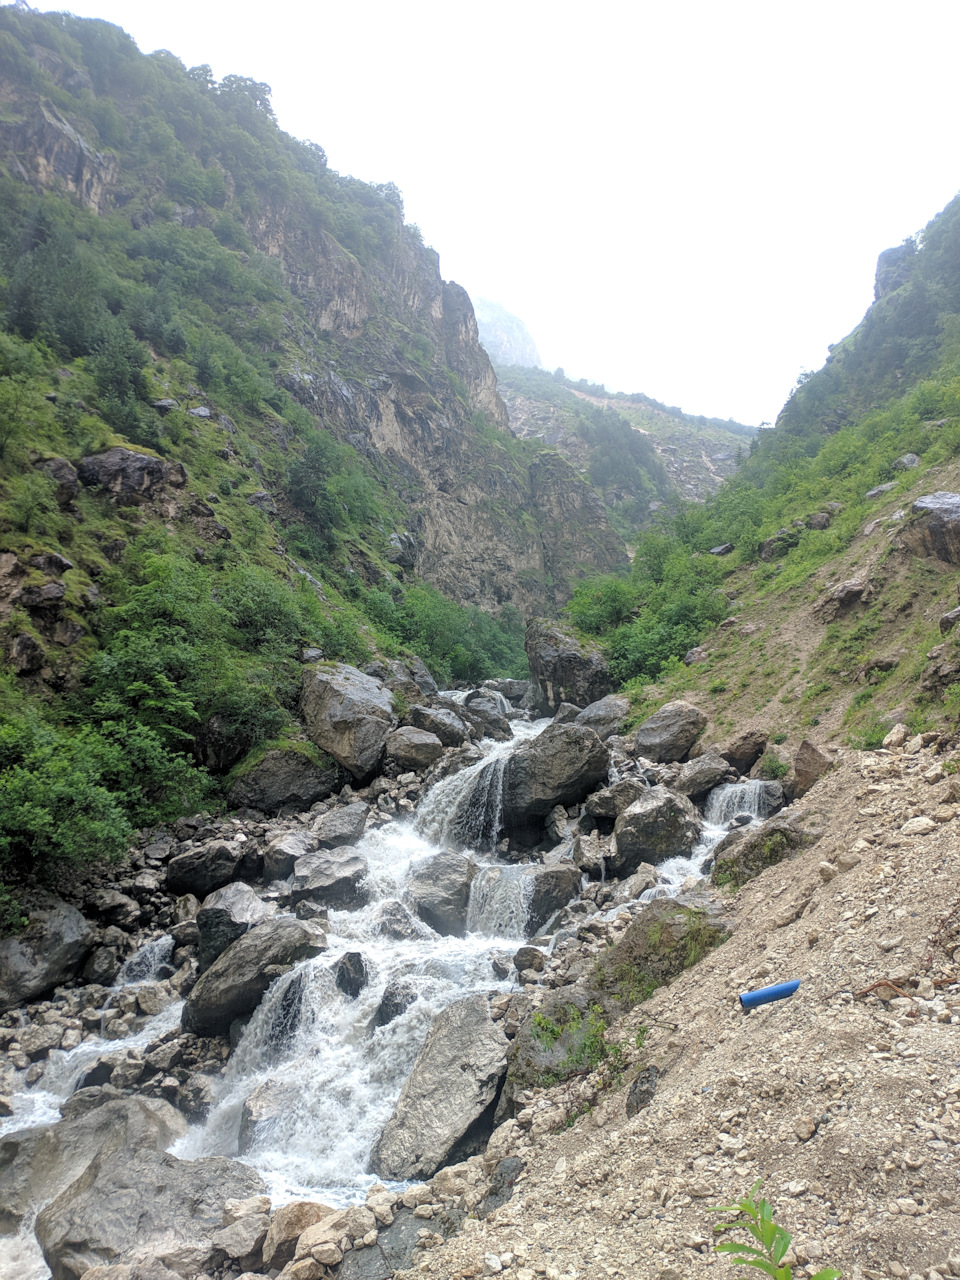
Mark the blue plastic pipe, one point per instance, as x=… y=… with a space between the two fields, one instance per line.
x=766 y=995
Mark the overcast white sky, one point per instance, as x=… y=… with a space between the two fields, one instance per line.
x=685 y=197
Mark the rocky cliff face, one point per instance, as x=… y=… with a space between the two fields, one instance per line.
x=385 y=353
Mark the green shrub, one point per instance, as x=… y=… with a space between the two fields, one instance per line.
x=772 y=1241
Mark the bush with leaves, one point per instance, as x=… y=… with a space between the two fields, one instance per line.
x=772 y=1241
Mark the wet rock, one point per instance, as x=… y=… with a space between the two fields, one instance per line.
x=442 y=723
x=348 y=715
x=743 y=854
x=560 y=766
x=262 y=1110
x=605 y=716
x=343 y=826
x=288 y=1224
x=563 y=668
x=629 y=890
x=146 y=1206
x=745 y=749
x=102 y=966
x=446 y=1105
x=206 y=867
x=392 y=920
x=333 y=877
x=513 y=690
x=658 y=826
x=39 y=1163
x=439 y=890
x=486 y=720
x=47 y=952
x=398 y=995
x=130 y=477
x=699 y=776
x=284 y=778
x=350 y=973
x=934 y=529
x=529 y=958
x=414 y=749
x=226 y=915
x=237 y=980
x=670 y=732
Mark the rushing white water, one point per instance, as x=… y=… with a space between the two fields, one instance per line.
x=314 y=1065
x=147 y=963
x=464 y=810
x=734 y=803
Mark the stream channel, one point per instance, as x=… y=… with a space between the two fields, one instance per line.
x=312 y=1065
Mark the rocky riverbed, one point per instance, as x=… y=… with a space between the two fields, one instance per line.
x=323 y=1041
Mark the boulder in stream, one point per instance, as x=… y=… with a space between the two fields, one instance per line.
x=445 y=1110
x=333 y=877
x=227 y=914
x=658 y=826
x=670 y=732
x=439 y=890
x=237 y=980
x=210 y=866
x=558 y=767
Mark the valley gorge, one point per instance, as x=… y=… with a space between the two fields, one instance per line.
x=407 y=761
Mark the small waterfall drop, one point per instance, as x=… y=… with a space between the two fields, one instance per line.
x=147 y=963
x=754 y=799
x=500 y=899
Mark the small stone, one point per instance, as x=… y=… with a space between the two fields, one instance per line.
x=848 y=860
x=827 y=872
x=897 y=736
x=805 y=1128
x=327 y=1254
x=918 y=827
x=492 y=1265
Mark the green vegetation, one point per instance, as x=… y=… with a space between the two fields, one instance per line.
x=587 y=1047
x=155 y=323
x=772 y=1241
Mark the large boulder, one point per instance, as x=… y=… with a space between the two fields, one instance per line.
x=348 y=715
x=745 y=749
x=515 y=900
x=809 y=764
x=237 y=980
x=283 y=851
x=439 y=890
x=558 y=767
x=563 y=668
x=146 y=1206
x=333 y=877
x=744 y=853
x=658 y=826
x=611 y=801
x=210 y=866
x=130 y=477
x=605 y=716
x=37 y=1164
x=342 y=826
x=413 y=748
x=934 y=529
x=446 y=1107
x=701 y=775
x=227 y=914
x=283 y=778
x=670 y=732
x=443 y=723
x=48 y=951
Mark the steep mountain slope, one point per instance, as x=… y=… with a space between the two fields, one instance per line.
x=505 y=338
x=827 y=601
x=642 y=455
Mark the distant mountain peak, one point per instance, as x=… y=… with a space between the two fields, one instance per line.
x=504 y=337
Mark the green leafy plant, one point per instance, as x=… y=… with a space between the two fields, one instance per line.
x=755 y=1216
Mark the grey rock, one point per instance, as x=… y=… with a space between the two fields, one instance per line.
x=66 y=478
x=563 y=668
x=115 y=907
x=670 y=732
x=881 y=489
x=398 y=995
x=102 y=966
x=413 y=749
x=486 y=719
x=333 y=877
x=745 y=749
x=350 y=973
x=285 y=777
x=449 y=1095
x=263 y=1110
x=513 y=690
x=392 y=920
x=38 y=1163
x=444 y=724
x=699 y=776
x=439 y=889
x=560 y=766
x=130 y=477
x=641 y=1092
x=348 y=715
x=906 y=462
x=658 y=826
x=566 y=713
x=263 y=501
x=47 y=952
x=949 y=620
x=723 y=549
x=237 y=980
x=147 y=1206
x=934 y=529
x=605 y=716
x=206 y=867
x=281 y=854
x=343 y=826
x=227 y=914
x=809 y=764
x=611 y=801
